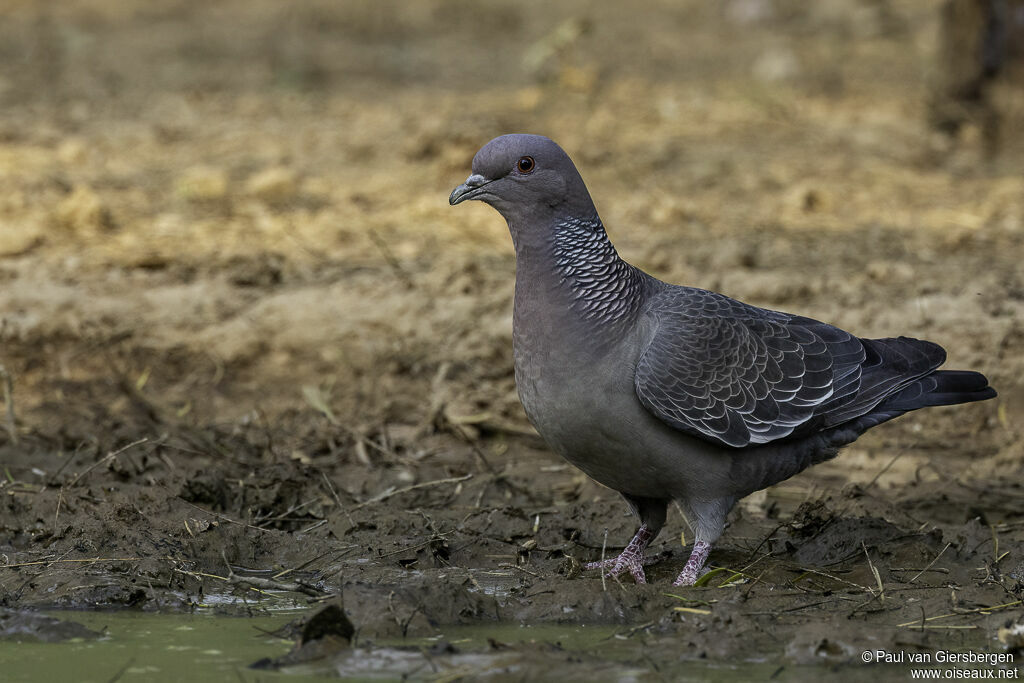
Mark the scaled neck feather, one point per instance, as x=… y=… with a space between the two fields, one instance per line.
x=599 y=285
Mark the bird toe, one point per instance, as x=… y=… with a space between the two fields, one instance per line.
x=617 y=565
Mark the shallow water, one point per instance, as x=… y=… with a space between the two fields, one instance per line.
x=140 y=646
x=204 y=647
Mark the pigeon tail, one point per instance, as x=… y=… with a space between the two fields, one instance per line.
x=940 y=388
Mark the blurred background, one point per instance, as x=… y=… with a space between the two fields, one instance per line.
x=224 y=225
x=246 y=196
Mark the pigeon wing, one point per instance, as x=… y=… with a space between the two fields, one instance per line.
x=739 y=375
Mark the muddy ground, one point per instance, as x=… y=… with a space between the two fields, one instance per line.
x=243 y=327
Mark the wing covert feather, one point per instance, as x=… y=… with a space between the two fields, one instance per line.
x=740 y=376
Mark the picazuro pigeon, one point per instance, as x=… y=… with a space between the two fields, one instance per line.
x=664 y=392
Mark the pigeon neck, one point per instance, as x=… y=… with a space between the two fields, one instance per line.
x=578 y=264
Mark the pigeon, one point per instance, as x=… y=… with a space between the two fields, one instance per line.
x=664 y=392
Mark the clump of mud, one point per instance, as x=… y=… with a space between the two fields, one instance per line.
x=22 y=627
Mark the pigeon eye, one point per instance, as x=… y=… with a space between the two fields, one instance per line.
x=525 y=165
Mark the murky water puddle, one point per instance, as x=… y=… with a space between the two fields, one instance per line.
x=203 y=647
x=149 y=647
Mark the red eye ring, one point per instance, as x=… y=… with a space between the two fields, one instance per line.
x=526 y=165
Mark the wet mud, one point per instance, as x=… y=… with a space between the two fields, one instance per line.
x=252 y=358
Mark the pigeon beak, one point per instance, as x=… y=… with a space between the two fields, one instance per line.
x=469 y=189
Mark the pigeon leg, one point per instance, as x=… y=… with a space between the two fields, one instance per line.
x=632 y=558
x=691 y=572
x=652 y=512
x=707 y=518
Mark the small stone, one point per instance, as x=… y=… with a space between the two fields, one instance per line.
x=276 y=184
x=1011 y=634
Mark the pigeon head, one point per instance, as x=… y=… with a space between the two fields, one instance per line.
x=525 y=177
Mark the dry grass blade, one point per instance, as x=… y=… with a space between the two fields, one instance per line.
x=90 y=560
x=885 y=469
x=220 y=516
x=259 y=585
x=874 y=572
x=918 y=575
x=979 y=610
x=418 y=545
x=405 y=489
x=692 y=610
x=197 y=575
x=733 y=576
x=509 y=565
x=707 y=576
x=695 y=601
x=808 y=570
x=390 y=258
x=317 y=400
x=271 y=584
x=109 y=457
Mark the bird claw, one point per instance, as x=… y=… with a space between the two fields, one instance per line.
x=632 y=558
x=692 y=571
x=686 y=577
x=633 y=562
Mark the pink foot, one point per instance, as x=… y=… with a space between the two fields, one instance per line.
x=631 y=559
x=691 y=572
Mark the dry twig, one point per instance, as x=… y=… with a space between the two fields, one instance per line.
x=982 y=610
x=874 y=572
x=918 y=575
x=59 y=561
x=9 y=423
x=405 y=489
x=109 y=457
